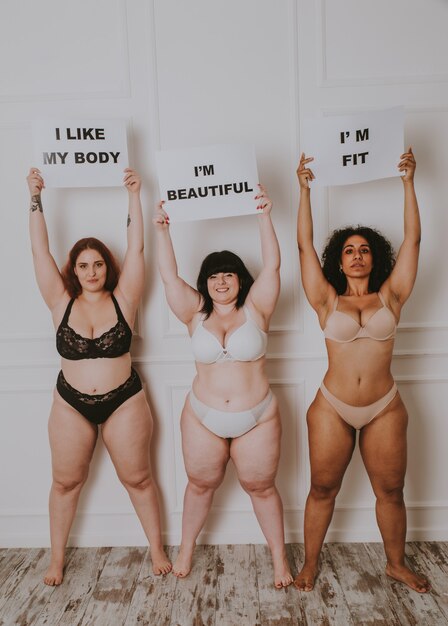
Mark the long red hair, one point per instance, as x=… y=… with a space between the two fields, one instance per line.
x=69 y=277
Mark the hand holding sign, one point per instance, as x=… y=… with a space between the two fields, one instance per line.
x=35 y=182
x=304 y=174
x=407 y=164
x=160 y=219
x=265 y=203
x=132 y=181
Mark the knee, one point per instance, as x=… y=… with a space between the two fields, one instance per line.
x=137 y=481
x=201 y=485
x=64 y=485
x=324 y=490
x=261 y=488
x=391 y=492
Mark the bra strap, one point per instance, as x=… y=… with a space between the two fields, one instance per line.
x=67 y=312
x=380 y=296
x=120 y=315
x=117 y=308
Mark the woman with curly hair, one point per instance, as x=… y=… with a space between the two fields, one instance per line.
x=358 y=295
x=93 y=307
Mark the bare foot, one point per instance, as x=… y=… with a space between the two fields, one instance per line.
x=161 y=564
x=182 y=565
x=282 y=573
x=305 y=578
x=404 y=575
x=54 y=575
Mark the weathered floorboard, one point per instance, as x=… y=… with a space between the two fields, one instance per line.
x=278 y=607
x=111 y=598
x=67 y=605
x=228 y=586
x=428 y=559
x=195 y=599
x=236 y=590
x=365 y=597
x=24 y=593
x=313 y=609
x=152 y=602
x=10 y=562
x=330 y=589
x=412 y=608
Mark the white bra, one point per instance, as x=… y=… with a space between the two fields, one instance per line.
x=247 y=343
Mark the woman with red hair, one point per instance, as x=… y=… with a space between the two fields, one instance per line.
x=93 y=307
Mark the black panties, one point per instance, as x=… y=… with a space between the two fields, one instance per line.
x=99 y=407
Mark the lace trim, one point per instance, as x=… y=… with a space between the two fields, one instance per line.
x=113 y=342
x=96 y=399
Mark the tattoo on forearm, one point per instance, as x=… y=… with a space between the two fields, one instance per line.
x=36 y=204
x=129 y=220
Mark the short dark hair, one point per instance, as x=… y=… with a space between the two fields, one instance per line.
x=224 y=261
x=383 y=257
x=69 y=277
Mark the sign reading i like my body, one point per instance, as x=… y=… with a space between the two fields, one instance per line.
x=354 y=148
x=87 y=153
x=208 y=182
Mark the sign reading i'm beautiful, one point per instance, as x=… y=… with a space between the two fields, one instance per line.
x=208 y=181
x=81 y=153
x=354 y=148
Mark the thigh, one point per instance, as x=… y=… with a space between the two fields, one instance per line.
x=382 y=444
x=72 y=440
x=256 y=454
x=331 y=442
x=127 y=434
x=205 y=454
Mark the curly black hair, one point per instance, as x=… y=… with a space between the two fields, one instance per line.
x=224 y=261
x=383 y=257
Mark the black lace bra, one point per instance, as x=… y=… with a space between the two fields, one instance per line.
x=110 y=344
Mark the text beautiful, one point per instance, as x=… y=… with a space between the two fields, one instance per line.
x=210 y=190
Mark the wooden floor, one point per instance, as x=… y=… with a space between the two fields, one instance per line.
x=229 y=585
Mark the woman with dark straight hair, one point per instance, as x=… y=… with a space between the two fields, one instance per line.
x=93 y=308
x=230 y=412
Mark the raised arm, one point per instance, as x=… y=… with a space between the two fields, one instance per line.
x=402 y=278
x=132 y=277
x=317 y=288
x=182 y=299
x=265 y=290
x=48 y=277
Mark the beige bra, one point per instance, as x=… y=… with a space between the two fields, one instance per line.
x=342 y=328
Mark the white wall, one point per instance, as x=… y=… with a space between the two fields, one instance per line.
x=192 y=73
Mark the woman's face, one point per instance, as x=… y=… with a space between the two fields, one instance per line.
x=356 y=257
x=223 y=287
x=91 y=270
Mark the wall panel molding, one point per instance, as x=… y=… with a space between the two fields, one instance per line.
x=361 y=80
x=116 y=93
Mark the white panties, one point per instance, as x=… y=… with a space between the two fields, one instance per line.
x=229 y=424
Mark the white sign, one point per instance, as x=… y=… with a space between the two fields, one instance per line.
x=81 y=153
x=209 y=181
x=354 y=148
